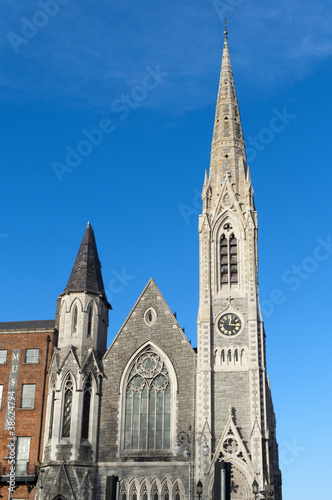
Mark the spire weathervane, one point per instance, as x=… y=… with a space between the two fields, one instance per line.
x=225 y=30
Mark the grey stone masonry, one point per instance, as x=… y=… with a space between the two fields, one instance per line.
x=234 y=409
x=165 y=337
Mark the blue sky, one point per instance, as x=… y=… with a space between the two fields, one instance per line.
x=139 y=185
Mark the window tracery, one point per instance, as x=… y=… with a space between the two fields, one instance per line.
x=123 y=492
x=148 y=404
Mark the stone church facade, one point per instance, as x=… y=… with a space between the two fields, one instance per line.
x=151 y=411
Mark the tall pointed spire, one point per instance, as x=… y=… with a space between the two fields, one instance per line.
x=227 y=142
x=86 y=274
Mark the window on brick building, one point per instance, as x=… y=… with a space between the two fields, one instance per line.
x=1 y=392
x=148 y=404
x=28 y=395
x=86 y=408
x=3 y=357
x=31 y=356
x=22 y=455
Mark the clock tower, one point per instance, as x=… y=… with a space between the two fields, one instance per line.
x=234 y=406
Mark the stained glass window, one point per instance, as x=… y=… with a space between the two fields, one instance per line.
x=148 y=404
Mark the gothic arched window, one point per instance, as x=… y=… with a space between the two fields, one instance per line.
x=75 y=316
x=123 y=492
x=177 y=495
x=67 y=407
x=228 y=260
x=86 y=408
x=154 y=492
x=90 y=312
x=148 y=404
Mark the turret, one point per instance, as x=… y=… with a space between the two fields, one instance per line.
x=76 y=372
x=83 y=308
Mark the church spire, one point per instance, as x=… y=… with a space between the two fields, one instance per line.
x=227 y=143
x=86 y=274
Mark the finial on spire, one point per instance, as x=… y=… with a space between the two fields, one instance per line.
x=225 y=30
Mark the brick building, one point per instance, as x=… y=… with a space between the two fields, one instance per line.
x=25 y=353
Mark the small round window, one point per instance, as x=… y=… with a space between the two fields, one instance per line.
x=150 y=316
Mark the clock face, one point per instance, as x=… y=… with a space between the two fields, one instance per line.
x=229 y=324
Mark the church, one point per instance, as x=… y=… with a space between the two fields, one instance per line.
x=150 y=417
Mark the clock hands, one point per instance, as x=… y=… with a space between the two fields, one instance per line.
x=229 y=324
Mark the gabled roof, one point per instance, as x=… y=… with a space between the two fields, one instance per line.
x=86 y=274
x=151 y=286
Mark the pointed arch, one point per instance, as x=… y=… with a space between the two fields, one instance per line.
x=145 y=489
x=76 y=302
x=228 y=259
x=166 y=490
x=86 y=487
x=178 y=492
x=86 y=410
x=134 y=489
x=241 y=482
x=68 y=374
x=67 y=406
x=222 y=356
x=156 y=489
x=148 y=397
x=236 y=356
x=90 y=314
x=63 y=311
x=92 y=303
x=227 y=233
x=74 y=320
x=124 y=489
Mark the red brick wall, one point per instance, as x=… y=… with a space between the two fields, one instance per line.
x=28 y=421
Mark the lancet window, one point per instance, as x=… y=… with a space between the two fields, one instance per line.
x=50 y=429
x=228 y=260
x=75 y=317
x=67 y=408
x=148 y=404
x=90 y=311
x=86 y=408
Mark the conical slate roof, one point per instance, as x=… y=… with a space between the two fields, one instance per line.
x=86 y=274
